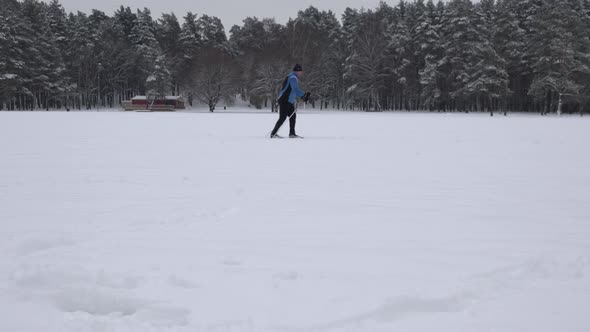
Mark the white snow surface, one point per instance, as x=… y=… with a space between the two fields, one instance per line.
x=375 y=222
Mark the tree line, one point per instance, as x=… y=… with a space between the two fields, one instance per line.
x=488 y=56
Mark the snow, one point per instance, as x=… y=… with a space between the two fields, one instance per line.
x=375 y=222
x=8 y=76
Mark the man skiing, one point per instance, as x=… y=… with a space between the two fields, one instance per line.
x=289 y=91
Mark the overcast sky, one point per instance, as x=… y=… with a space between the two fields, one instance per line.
x=229 y=11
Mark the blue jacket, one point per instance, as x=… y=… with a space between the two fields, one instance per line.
x=293 y=83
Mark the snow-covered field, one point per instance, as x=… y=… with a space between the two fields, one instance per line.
x=375 y=222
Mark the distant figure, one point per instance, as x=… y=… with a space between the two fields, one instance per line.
x=289 y=92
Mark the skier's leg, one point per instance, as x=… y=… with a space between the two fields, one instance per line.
x=282 y=117
x=292 y=120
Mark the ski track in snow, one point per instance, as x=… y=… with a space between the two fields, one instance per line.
x=116 y=221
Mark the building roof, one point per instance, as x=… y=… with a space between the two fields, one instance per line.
x=167 y=98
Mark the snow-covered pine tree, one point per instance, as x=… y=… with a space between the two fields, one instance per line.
x=262 y=59
x=399 y=57
x=459 y=36
x=190 y=42
x=561 y=49
x=146 y=46
x=476 y=74
x=488 y=79
x=44 y=63
x=190 y=36
x=158 y=83
x=123 y=67
x=318 y=32
x=60 y=30
x=431 y=76
x=364 y=72
x=211 y=31
x=13 y=44
x=85 y=57
x=415 y=21
x=509 y=43
x=168 y=36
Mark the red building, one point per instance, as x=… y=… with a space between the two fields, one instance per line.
x=141 y=103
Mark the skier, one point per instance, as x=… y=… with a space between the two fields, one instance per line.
x=289 y=91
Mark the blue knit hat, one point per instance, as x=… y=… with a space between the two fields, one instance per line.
x=298 y=68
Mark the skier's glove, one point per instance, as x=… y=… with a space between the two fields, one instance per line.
x=306 y=97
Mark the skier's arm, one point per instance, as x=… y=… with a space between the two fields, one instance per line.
x=295 y=87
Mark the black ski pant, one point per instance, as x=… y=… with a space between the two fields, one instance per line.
x=286 y=110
